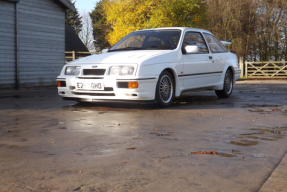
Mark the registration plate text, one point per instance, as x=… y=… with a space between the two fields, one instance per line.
x=90 y=86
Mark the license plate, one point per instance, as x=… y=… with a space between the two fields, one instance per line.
x=90 y=86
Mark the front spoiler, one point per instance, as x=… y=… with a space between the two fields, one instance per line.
x=109 y=100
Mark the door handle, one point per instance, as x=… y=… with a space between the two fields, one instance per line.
x=210 y=57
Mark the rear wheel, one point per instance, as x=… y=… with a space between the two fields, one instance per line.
x=165 y=89
x=228 y=86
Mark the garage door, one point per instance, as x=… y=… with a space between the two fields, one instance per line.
x=7 y=44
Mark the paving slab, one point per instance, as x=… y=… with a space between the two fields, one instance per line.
x=278 y=179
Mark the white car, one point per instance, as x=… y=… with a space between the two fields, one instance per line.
x=152 y=65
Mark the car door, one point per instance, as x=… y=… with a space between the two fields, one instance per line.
x=197 y=66
x=219 y=54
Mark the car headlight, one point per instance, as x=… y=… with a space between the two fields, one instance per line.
x=72 y=70
x=122 y=70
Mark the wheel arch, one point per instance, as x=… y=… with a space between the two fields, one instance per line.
x=175 y=78
x=232 y=71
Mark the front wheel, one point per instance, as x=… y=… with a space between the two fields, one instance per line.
x=227 y=87
x=165 y=89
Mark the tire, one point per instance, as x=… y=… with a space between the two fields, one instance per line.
x=227 y=87
x=165 y=89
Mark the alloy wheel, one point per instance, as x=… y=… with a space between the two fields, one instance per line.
x=165 y=89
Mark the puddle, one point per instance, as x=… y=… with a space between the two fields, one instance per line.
x=267 y=139
x=257 y=110
x=263 y=138
x=15 y=96
x=163 y=135
x=185 y=100
x=94 y=151
x=213 y=153
x=255 y=106
x=159 y=134
x=253 y=137
x=16 y=147
x=226 y=155
x=260 y=156
x=244 y=143
x=171 y=139
x=266 y=131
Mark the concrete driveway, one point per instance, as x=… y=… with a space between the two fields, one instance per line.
x=201 y=143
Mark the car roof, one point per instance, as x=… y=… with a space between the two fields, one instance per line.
x=180 y=28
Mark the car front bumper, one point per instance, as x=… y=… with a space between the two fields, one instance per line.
x=112 y=92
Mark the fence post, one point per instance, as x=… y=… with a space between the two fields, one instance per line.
x=246 y=69
x=241 y=66
x=74 y=55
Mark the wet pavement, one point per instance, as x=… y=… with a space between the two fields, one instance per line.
x=200 y=143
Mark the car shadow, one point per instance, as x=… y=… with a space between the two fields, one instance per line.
x=180 y=103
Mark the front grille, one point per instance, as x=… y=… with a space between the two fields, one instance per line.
x=94 y=71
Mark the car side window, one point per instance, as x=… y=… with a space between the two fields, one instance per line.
x=194 y=38
x=214 y=44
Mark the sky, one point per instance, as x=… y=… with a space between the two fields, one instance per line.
x=85 y=5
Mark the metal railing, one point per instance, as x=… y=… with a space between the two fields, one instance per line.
x=73 y=55
x=268 y=69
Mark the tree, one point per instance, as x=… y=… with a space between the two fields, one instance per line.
x=73 y=19
x=125 y=16
x=271 y=26
x=86 y=34
x=178 y=13
x=100 y=28
x=232 y=20
x=257 y=27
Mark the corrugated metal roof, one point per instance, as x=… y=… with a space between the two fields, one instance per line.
x=73 y=42
x=64 y=3
x=67 y=4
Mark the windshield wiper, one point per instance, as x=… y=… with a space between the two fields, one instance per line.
x=126 y=48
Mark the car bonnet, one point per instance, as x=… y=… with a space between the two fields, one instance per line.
x=119 y=57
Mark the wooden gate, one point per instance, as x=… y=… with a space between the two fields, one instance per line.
x=268 y=69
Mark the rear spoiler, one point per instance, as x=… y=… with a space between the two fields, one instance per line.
x=225 y=43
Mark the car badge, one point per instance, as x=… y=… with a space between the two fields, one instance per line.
x=94 y=66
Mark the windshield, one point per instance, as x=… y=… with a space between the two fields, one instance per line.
x=149 y=40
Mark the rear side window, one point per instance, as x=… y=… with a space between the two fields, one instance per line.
x=193 y=38
x=214 y=44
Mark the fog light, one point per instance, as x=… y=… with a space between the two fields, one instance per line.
x=133 y=85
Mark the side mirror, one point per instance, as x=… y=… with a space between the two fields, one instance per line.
x=105 y=50
x=191 y=49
